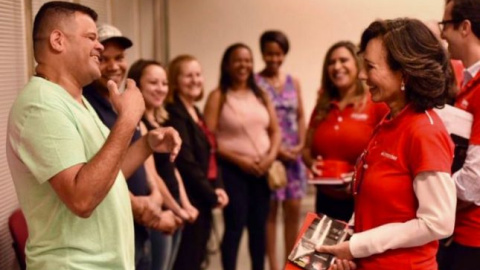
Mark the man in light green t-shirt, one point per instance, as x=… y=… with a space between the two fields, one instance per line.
x=68 y=169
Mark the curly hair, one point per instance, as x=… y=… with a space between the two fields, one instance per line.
x=413 y=49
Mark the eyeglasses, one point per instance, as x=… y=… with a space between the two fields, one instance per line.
x=442 y=24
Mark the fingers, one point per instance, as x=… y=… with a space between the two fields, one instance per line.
x=177 y=144
x=184 y=214
x=168 y=222
x=347 y=177
x=315 y=170
x=112 y=89
x=193 y=213
x=325 y=249
x=165 y=140
x=178 y=221
x=222 y=200
x=130 y=85
x=258 y=171
x=152 y=215
x=343 y=265
x=222 y=197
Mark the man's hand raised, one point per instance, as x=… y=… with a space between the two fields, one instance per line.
x=165 y=140
x=130 y=104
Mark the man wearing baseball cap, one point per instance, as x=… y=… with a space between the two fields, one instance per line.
x=144 y=192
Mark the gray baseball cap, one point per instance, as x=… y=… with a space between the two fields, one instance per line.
x=108 y=32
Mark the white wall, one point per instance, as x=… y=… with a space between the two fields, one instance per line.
x=135 y=19
x=205 y=28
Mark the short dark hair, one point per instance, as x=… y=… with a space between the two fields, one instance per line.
x=53 y=11
x=226 y=79
x=275 y=36
x=414 y=50
x=466 y=10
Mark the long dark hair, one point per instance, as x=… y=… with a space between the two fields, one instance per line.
x=136 y=73
x=328 y=91
x=226 y=80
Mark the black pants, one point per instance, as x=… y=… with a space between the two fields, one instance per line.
x=248 y=206
x=341 y=209
x=193 y=246
x=458 y=257
x=142 y=250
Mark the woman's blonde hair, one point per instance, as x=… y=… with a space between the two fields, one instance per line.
x=174 y=70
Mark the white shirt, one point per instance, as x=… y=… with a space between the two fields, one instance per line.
x=435 y=219
x=470 y=72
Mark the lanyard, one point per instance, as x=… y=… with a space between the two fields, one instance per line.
x=361 y=165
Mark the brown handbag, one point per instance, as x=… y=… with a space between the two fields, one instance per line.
x=277 y=175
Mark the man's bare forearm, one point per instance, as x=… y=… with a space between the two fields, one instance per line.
x=135 y=156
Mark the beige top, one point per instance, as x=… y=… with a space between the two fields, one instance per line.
x=244 y=113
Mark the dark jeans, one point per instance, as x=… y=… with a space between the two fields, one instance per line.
x=341 y=209
x=142 y=248
x=248 y=207
x=458 y=257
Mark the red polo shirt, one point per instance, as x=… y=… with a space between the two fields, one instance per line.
x=400 y=149
x=467 y=221
x=343 y=134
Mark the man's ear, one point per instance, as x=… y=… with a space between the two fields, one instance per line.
x=57 y=40
x=466 y=28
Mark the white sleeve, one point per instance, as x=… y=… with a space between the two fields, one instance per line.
x=467 y=179
x=435 y=219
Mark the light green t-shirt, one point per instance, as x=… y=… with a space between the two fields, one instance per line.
x=48 y=132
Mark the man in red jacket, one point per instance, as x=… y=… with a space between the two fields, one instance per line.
x=461 y=29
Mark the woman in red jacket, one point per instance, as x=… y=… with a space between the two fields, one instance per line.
x=404 y=195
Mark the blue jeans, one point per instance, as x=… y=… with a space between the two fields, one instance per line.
x=164 y=249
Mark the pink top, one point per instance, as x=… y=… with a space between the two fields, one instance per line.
x=243 y=113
